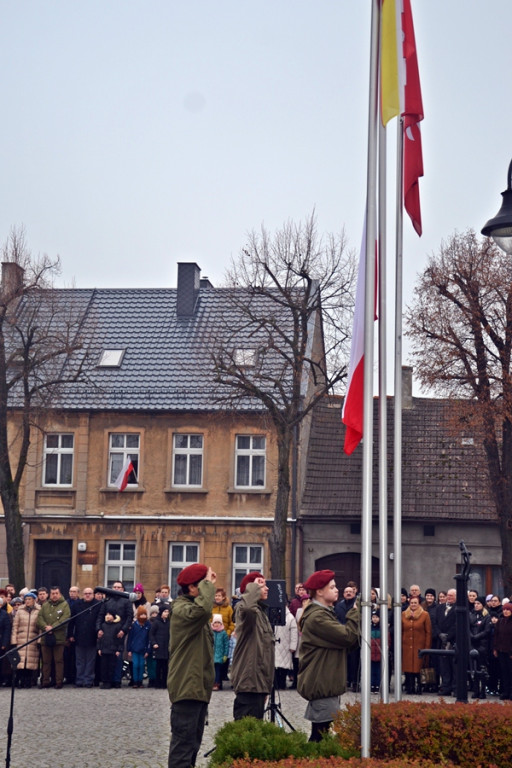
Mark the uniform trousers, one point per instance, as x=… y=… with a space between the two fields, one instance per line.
x=249 y=705
x=187 y=726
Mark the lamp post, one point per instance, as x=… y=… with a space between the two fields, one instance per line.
x=500 y=227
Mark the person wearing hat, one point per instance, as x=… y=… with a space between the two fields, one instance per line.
x=252 y=671
x=323 y=652
x=191 y=673
x=24 y=629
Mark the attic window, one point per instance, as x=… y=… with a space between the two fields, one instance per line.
x=467 y=441
x=245 y=358
x=111 y=358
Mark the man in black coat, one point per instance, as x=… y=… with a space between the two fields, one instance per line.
x=82 y=636
x=353 y=656
x=444 y=631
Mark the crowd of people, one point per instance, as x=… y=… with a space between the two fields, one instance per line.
x=429 y=622
x=84 y=640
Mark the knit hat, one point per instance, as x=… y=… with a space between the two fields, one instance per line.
x=217 y=617
x=488 y=598
x=30 y=594
x=249 y=578
x=318 y=580
x=154 y=609
x=430 y=591
x=16 y=601
x=192 y=574
x=139 y=588
x=507 y=607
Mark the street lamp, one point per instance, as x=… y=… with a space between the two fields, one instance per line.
x=500 y=227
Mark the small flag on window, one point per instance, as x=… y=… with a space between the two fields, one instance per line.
x=121 y=480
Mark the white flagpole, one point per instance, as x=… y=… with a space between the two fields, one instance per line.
x=397 y=454
x=366 y=518
x=383 y=423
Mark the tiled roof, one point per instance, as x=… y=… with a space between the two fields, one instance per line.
x=167 y=364
x=443 y=477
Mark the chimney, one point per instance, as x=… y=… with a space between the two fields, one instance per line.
x=189 y=276
x=407 y=387
x=12 y=279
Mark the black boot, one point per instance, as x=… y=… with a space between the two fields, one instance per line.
x=419 y=689
x=409 y=683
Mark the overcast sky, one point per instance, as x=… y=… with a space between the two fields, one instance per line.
x=138 y=134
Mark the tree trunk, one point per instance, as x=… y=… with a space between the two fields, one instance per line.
x=14 y=537
x=278 y=536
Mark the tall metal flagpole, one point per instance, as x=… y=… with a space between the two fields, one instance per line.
x=397 y=451
x=383 y=423
x=369 y=314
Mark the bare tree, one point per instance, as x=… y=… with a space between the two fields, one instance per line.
x=38 y=333
x=283 y=291
x=460 y=324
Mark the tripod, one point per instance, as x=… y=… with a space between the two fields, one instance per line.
x=275 y=711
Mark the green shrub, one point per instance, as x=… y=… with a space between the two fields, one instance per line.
x=468 y=735
x=254 y=739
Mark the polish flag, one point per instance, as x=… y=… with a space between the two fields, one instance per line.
x=413 y=115
x=121 y=480
x=353 y=405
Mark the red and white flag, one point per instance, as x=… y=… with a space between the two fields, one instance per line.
x=121 y=480
x=353 y=406
x=413 y=115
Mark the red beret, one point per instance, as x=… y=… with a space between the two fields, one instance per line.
x=192 y=574
x=318 y=580
x=249 y=578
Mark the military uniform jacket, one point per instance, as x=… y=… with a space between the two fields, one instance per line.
x=323 y=651
x=252 y=670
x=191 y=671
x=51 y=614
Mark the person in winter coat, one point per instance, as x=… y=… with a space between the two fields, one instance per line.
x=53 y=612
x=138 y=644
x=375 y=652
x=252 y=671
x=159 y=642
x=416 y=634
x=323 y=651
x=122 y=608
x=220 y=649
x=191 y=673
x=82 y=635
x=287 y=638
x=24 y=629
x=223 y=606
x=502 y=650
x=480 y=635
x=110 y=647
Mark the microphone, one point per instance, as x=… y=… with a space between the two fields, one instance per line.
x=131 y=596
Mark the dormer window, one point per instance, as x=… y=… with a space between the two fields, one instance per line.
x=111 y=358
x=245 y=358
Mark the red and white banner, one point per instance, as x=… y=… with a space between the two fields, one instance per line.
x=121 y=480
x=413 y=115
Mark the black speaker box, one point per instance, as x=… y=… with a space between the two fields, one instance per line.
x=276 y=602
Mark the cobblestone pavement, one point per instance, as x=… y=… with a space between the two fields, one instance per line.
x=128 y=728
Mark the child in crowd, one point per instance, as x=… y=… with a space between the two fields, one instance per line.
x=220 y=649
x=375 y=652
x=154 y=612
x=159 y=642
x=138 y=644
x=110 y=646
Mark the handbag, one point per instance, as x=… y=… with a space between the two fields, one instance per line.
x=428 y=676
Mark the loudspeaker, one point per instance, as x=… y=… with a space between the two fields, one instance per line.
x=276 y=602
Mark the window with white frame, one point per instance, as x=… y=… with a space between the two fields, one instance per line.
x=187 y=468
x=120 y=563
x=250 y=456
x=58 y=459
x=246 y=558
x=121 y=448
x=181 y=554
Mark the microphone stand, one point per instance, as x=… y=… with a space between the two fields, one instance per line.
x=13 y=657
